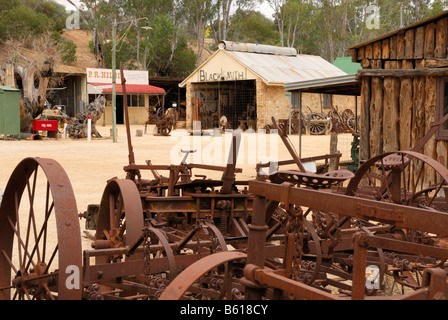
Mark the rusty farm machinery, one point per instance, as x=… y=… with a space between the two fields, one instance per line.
x=292 y=234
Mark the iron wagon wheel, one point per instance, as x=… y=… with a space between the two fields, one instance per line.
x=400 y=177
x=408 y=178
x=40 y=239
x=120 y=217
x=165 y=126
x=158 y=237
x=204 y=239
x=337 y=124
x=187 y=280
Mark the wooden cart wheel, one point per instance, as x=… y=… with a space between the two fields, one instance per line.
x=295 y=126
x=347 y=114
x=317 y=127
x=351 y=124
x=120 y=217
x=40 y=239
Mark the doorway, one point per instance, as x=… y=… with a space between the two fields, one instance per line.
x=120 y=110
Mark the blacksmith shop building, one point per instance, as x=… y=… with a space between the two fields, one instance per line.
x=242 y=80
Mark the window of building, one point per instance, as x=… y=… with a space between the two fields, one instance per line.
x=326 y=100
x=136 y=100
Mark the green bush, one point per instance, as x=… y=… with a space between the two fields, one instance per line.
x=67 y=50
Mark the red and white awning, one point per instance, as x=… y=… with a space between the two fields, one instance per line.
x=106 y=88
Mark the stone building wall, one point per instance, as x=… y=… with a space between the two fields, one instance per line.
x=275 y=101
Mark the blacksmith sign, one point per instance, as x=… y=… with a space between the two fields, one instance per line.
x=223 y=75
x=221 y=67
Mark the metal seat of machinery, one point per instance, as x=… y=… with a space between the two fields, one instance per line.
x=392 y=161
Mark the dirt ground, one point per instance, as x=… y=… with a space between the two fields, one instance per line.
x=89 y=164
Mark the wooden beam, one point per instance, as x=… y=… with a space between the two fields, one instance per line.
x=368 y=52
x=441 y=38
x=409 y=44
x=419 y=47
x=364 y=143
x=376 y=117
x=360 y=54
x=403 y=72
x=393 y=47
x=377 y=50
x=436 y=63
x=406 y=106
x=400 y=45
x=391 y=114
x=385 y=49
x=429 y=40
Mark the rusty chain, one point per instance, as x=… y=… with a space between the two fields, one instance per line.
x=147 y=252
x=296 y=227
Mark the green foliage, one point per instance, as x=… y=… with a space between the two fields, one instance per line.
x=124 y=54
x=253 y=27
x=164 y=48
x=67 y=50
x=184 y=62
x=25 y=20
x=21 y=22
x=320 y=27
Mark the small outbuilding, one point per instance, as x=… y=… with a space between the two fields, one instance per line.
x=244 y=83
x=404 y=89
x=9 y=111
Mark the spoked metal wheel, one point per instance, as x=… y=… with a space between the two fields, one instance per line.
x=403 y=177
x=40 y=239
x=186 y=284
x=119 y=226
x=411 y=179
x=120 y=218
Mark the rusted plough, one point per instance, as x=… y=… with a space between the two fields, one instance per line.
x=147 y=230
x=292 y=234
x=356 y=241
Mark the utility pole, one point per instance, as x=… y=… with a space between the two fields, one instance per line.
x=114 y=82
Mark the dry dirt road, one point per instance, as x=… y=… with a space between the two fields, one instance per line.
x=89 y=164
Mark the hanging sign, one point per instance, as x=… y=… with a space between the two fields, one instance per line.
x=105 y=76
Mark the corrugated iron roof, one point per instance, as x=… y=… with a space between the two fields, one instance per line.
x=347 y=84
x=280 y=69
x=257 y=48
x=275 y=65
